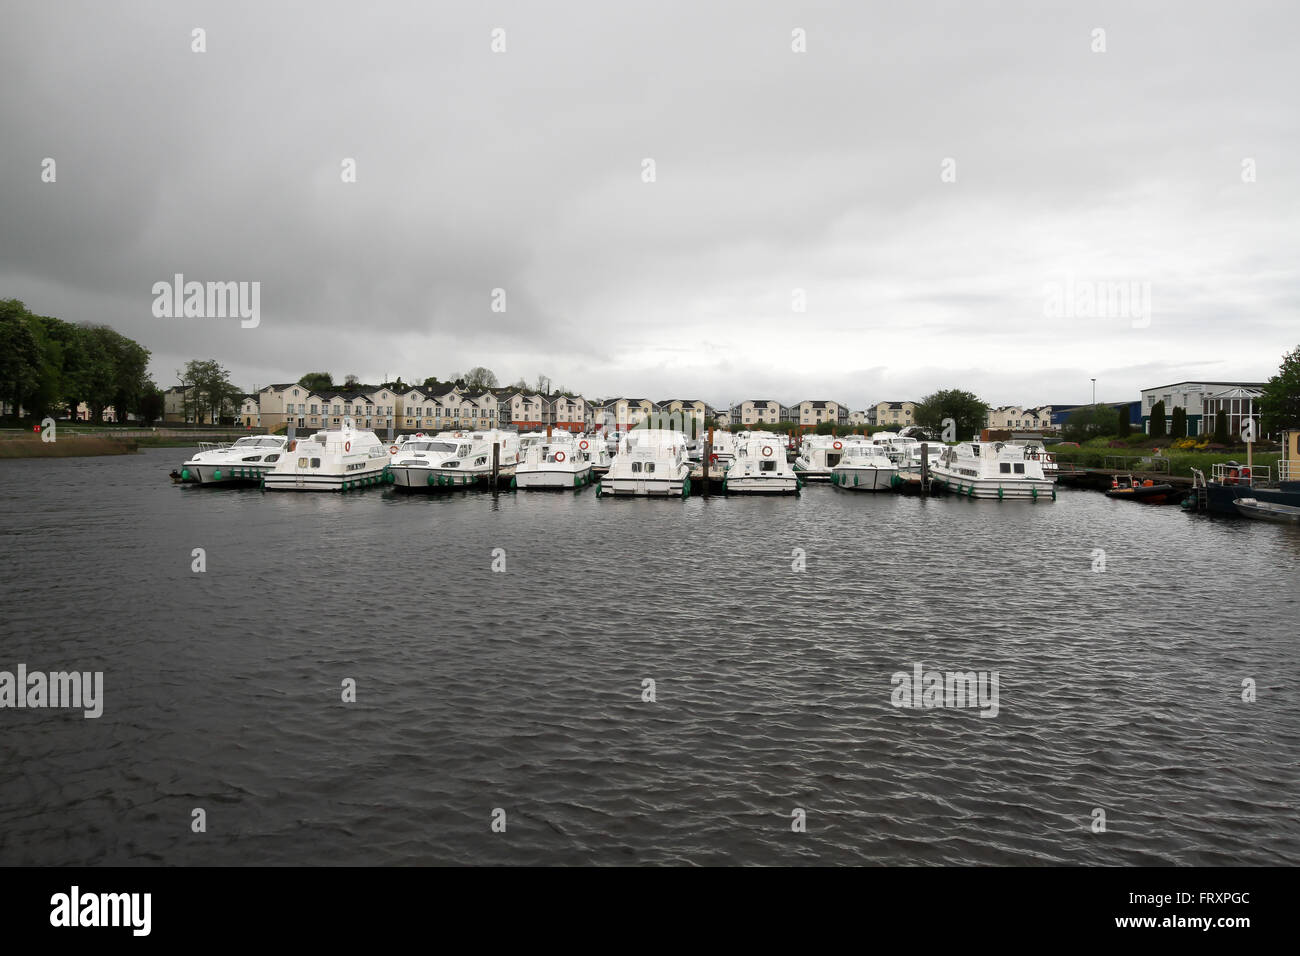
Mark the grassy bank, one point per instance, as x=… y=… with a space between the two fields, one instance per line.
x=72 y=447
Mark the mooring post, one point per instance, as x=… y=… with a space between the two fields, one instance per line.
x=496 y=462
x=925 y=468
x=708 y=453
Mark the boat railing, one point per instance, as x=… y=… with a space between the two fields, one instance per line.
x=214 y=445
x=1156 y=464
x=1288 y=470
x=1232 y=473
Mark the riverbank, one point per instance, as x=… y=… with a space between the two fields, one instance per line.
x=95 y=442
x=75 y=446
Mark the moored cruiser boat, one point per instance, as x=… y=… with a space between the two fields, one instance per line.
x=597 y=452
x=991 y=470
x=335 y=460
x=453 y=459
x=244 y=461
x=651 y=462
x=817 y=456
x=722 y=452
x=557 y=463
x=1036 y=451
x=865 y=467
x=760 y=467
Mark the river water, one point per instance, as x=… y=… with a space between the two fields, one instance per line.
x=516 y=695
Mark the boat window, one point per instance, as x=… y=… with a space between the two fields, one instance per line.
x=1020 y=468
x=302 y=462
x=767 y=466
x=252 y=458
x=832 y=460
x=271 y=458
x=636 y=466
x=315 y=462
x=649 y=466
x=1005 y=468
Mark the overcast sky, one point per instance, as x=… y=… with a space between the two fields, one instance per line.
x=775 y=171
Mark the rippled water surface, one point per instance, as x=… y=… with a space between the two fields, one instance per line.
x=522 y=690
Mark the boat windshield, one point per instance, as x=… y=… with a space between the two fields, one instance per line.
x=438 y=446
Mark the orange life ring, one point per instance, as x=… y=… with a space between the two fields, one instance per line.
x=347 y=446
x=767 y=451
x=559 y=456
x=392 y=449
x=583 y=444
x=839 y=445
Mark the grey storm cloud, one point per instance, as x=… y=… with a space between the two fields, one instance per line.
x=779 y=176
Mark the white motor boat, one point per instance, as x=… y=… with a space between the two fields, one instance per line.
x=335 y=460
x=991 y=470
x=453 y=459
x=1036 y=451
x=722 y=451
x=865 y=467
x=597 y=452
x=556 y=463
x=651 y=462
x=818 y=455
x=759 y=467
x=244 y=461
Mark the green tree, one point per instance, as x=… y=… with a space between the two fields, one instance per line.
x=151 y=403
x=317 y=382
x=1089 y=421
x=213 y=395
x=966 y=411
x=21 y=359
x=1123 y=426
x=1221 y=428
x=351 y=382
x=1158 y=420
x=1280 y=403
x=1178 y=423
